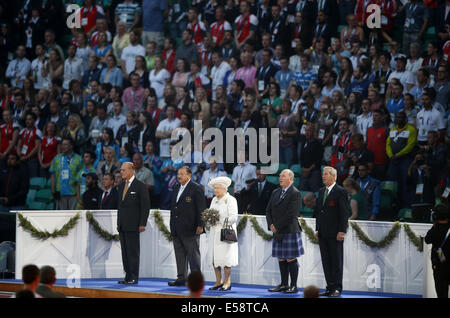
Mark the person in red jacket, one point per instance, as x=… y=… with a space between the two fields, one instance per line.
x=29 y=140
x=376 y=142
x=168 y=54
x=342 y=146
x=9 y=133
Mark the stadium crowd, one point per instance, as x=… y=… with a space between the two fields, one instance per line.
x=373 y=103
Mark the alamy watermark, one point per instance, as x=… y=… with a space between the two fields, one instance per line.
x=74 y=278
x=74 y=19
x=374 y=278
x=373 y=21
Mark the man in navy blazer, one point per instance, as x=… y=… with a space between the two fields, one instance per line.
x=332 y=212
x=109 y=199
x=132 y=215
x=187 y=204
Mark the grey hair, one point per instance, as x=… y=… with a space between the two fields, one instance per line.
x=289 y=172
x=333 y=171
x=309 y=196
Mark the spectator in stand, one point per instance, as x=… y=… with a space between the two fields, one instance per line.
x=435 y=153
x=359 y=155
x=442 y=85
x=159 y=77
x=14 y=182
x=75 y=130
x=73 y=67
x=154 y=13
x=29 y=142
x=128 y=12
x=9 y=134
x=143 y=174
x=342 y=146
x=109 y=164
x=187 y=49
x=242 y=172
x=416 y=23
x=164 y=131
x=357 y=200
x=245 y=26
x=154 y=163
x=198 y=28
x=395 y=103
x=18 y=68
x=365 y=120
x=247 y=72
x=306 y=75
x=219 y=27
x=89 y=14
x=178 y=17
x=130 y=53
x=47 y=280
x=405 y=77
x=218 y=71
x=399 y=146
x=92 y=196
x=133 y=96
x=121 y=40
x=360 y=84
x=351 y=32
x=129 y=132
x=168 y=54
x=48 y=148
x=92 y=74
x=64 y=169
x=310 y=161
x=370 y=188
x=414 y=63
x=89 y=158
x=423 y=81
x=376 y=142
x=99 y=122
x=110 y=197
x=420 y=181
x=286 y=124
x=257 y=194
x=111 y=73
x=329 y=84
x=429 y=118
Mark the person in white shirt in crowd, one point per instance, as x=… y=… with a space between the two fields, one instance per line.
x=73 y=67
x=406 y=77
x=208 y=175
x=36 y=68
x=142 y=173
x=130 y=53
x=18 y=68
x=365 y=120
x=429 y=118
x=164 y=131
x=159 y=77
x=118 y=118
x=242 y=172
x=415 y=61
x=329 y=84
x=84 y=51
x=218 y=71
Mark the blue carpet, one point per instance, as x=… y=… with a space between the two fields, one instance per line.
x=159 y=285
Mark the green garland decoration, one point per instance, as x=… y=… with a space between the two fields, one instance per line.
x=99 y=230
x=259 y=230
x=309 y=232
x=416 y=240
x=43 y=235
x=386 y=241
x=161 y=226
x=242 y=224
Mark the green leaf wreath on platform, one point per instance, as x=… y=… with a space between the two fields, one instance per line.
x=309 y=232
x=99 y=230
x=416 y=240
x=386 y=241
x=43 y=235
x=161 y=226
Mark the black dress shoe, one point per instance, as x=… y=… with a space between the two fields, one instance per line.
x=216 y=287
x=131 y=282
x=291 y=290
x=336 y=293
x=177 y=282
x=325 y=293
x=122 y=282
x=225 y=289
x=279 y=288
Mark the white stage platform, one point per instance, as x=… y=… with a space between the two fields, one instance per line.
x=399 y=268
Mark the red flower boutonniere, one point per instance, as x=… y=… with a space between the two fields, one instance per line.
x=331 y=203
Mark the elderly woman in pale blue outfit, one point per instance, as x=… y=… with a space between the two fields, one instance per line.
x=222 y=254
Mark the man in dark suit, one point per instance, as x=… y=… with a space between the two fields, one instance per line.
x=186 y=225
x=282 y=220
x=257 y=194
x=332 y=212
x=91 y=198
x=222 y=122
x=132 y=215
x=110 y=197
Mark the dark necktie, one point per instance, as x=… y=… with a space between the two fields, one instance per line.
x=105 y=195
x=259 y=189
x=325 y=196
x=283 y=192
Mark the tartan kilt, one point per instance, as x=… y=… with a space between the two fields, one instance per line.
x=290 y=247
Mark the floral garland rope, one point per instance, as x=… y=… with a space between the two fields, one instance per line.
x=310 y=233
x=43 y=235
x=99 y=230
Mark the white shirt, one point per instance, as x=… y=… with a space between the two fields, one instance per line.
x=73 y=70
x=428 y=120
x=242 y=173
x=406 y=78
x=129 y=54
x=39 y=80
x=84 y=54
x=207 y=176
x=17 y=71
x=363 y=123
x=115 y=122
x=158 y=81
x=330 y=188
x=217 y=75
x=182 y=187
x=164 y=144
x=329 y=92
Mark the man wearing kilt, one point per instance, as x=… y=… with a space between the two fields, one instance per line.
x=282 y=219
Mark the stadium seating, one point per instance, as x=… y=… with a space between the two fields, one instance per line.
x=39 y=195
